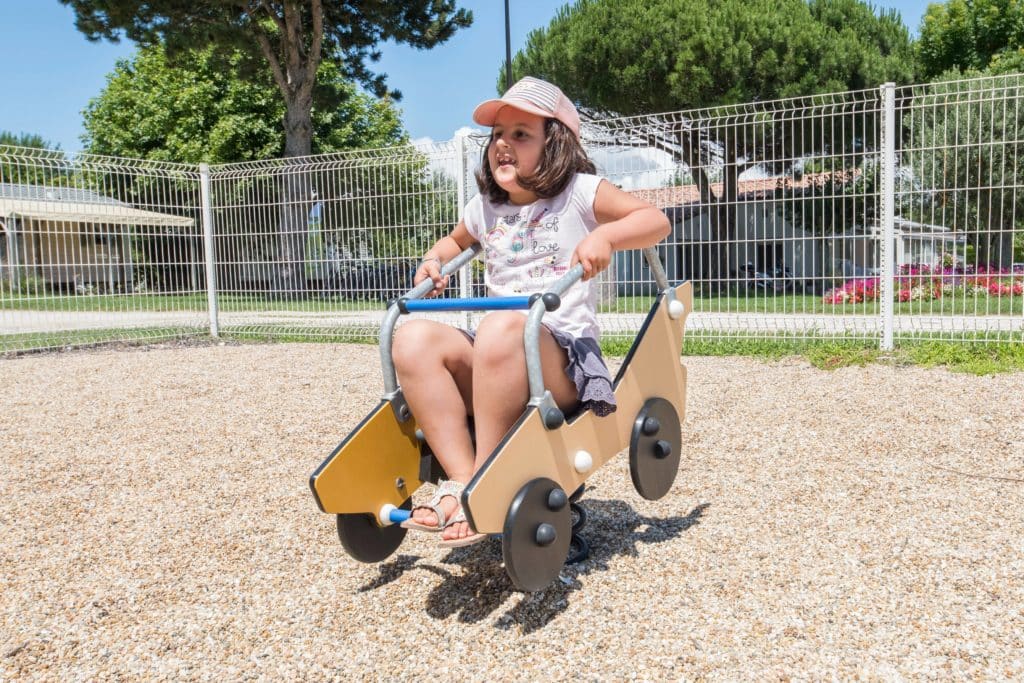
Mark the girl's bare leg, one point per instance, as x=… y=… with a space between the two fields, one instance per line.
x=434 y=366
x=500 y=386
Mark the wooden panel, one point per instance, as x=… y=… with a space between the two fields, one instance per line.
x=360 y=475
x=532 y=451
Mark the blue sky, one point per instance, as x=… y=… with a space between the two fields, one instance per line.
x=51 y=71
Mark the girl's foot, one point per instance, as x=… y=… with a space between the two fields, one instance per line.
x=458 y=533
x=435 y=515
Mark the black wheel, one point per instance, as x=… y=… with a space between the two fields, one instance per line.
x=579 y=550
x=578 y=493
x=536 y=536
x=366 y=540
x=654 y=448
x=578 y=516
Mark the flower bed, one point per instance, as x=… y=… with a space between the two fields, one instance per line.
x=920 y=282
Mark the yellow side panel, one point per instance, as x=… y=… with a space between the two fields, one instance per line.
x=361 y=474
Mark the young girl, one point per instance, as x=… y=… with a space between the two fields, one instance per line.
x=540 y=211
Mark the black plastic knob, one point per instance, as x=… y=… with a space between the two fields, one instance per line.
x=651 y=426
x=546 y=534
x=553 y=418
x=551 y=301
x=557 y=499
x=662 y=449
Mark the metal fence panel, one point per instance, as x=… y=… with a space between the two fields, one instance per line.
x=771 y=204
x=882 y=216
x=307 y=246
x=97 y=249
x=960 y=244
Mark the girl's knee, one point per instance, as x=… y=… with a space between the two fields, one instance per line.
x=411 y=341
x=499 y=337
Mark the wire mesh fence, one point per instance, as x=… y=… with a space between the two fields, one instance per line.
x=883 y=216
x=97 y=249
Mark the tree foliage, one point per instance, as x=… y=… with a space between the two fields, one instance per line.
x=30 y=140
x=968 y=34
x=291 y=37
x=967 y=140
x=45 y=165
x=197 y=110
x=644 y=57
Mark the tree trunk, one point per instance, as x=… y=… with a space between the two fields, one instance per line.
x=994 y=239
x=295 y=198
x=721 y=209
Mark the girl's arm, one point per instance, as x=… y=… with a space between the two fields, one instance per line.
x=443 y=251
x=625 y=222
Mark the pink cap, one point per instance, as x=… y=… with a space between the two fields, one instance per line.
x=534 y=96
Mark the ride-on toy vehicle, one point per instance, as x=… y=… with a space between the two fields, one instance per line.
x=524 y=490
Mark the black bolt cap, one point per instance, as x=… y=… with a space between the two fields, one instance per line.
x=546 y=534
x=551 y=301
x=651 y=426
x=557 y=499
x=662 y=449
x=553 y=418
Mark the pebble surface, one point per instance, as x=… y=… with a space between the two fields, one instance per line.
x=865 y=523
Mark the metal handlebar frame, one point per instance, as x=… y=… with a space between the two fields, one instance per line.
x=537 y=305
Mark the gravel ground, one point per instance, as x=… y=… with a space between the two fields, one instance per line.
x=157 y=524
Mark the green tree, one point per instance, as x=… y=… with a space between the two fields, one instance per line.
x=968 y=34
x=292 y=38
x=197 y=110
x=30 y=140
x=967 y=142
x=289 y=37
x=29 y=159
x=633 y=57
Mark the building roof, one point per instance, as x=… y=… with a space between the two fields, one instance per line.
x=761 y=188
x=41 y=202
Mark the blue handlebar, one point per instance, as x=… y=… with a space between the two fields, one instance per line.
x=484 y=303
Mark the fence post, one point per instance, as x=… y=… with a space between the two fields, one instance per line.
x=461 y=199
x=888 y=209
x=13 y=258
x=211 y=271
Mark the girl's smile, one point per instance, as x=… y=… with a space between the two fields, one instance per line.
x=515 y=150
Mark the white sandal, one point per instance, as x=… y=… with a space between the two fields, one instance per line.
x=473 y=538
x=445 y=488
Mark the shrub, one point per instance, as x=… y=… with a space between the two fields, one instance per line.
x=921 y=282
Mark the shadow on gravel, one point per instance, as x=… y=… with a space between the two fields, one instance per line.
x=613 y=528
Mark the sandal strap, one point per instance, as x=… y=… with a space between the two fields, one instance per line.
x=436 y=509
x=448 y=487
x=459 y=516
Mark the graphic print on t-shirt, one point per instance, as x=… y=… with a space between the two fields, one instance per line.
x=529 y=245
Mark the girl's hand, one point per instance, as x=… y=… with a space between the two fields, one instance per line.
x=594 y=252
x=431 y=269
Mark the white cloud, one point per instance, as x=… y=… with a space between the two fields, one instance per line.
x=632 y=168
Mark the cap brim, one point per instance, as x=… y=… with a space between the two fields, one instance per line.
x=487 y=112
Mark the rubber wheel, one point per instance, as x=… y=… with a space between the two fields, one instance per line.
x=654 y=447
x=536 y=536
x=579 y=550
x=366 y=540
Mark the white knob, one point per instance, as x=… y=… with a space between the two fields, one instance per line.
x=583 y=462
x=676 y=309
x=385 y=514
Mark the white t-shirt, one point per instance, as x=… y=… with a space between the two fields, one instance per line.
x=526 y=248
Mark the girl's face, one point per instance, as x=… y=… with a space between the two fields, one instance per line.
x=517 y=144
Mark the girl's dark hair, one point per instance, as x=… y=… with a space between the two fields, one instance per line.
x=563 y=157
